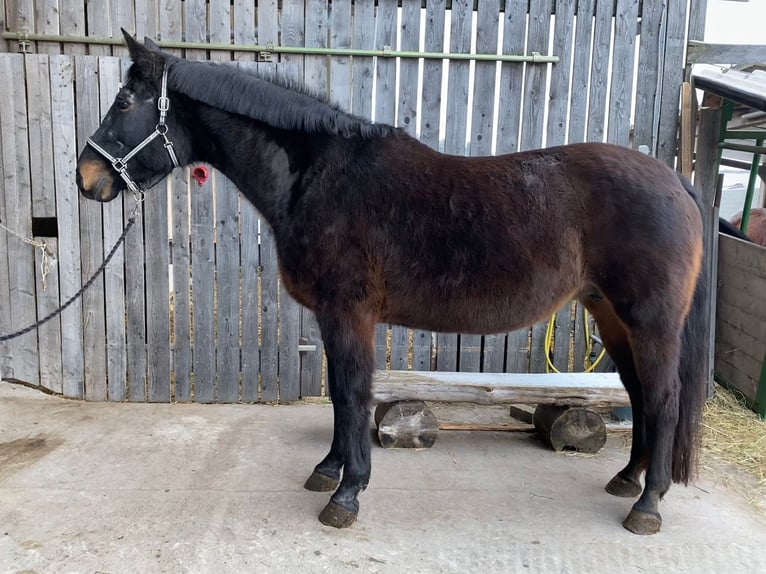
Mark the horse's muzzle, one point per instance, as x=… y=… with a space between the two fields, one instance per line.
x=94 y=182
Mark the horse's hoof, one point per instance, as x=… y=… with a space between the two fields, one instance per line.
x=639 y=522
x=619 y=486
x=319 y=482
x=335 y=515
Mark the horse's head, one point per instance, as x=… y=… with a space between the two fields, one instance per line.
x=139 y=139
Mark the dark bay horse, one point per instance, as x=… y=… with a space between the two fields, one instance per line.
x=373 y=226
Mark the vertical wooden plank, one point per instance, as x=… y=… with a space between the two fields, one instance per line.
x=194 y=23
x=455 y=141
x=672 y=77
x=47 y=22
x=268 y=33
x=123 y=16
x=289 y=357
x=706 y=181
x=649 y=69
x=21 y=16
x=340 y=66
x=482 y=125
x=203 y=273
x=135 y=294
x=44 y=205
x=97 y=18
x=362 y=68
x=558 y=101
x=6 y=325
x=226 y=244
x=293 y=34
x=220 y=27
x=421 y=350
x=621 y=87
x=171 y=22
x=18 y=218
x=381 y=346
x=578 y=115
x=147 y=18
x=532 y=129
x=599 y=81
x=315 y=67
x=72 y=23
x=202 y=249
x=157 y=260
x=249 y=239
x=114 y=300
x=431 y=102
x=227 y=289
x=248 y=248
x=64 y=160
x=316 y=78
x=180 y=255
x=91 y=244
x=269 y=315
x=509 y=118
x=511 y=77
x=244 y=26
x=697 y=17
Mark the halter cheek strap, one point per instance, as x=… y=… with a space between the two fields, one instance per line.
x=120 y=164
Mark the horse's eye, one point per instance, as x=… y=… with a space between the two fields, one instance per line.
x=123 y=104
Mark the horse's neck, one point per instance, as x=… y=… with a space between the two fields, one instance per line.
x=262 y=165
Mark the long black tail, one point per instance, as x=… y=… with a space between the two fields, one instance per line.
x=692 y=371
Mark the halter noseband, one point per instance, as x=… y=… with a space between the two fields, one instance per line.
x=120 y=164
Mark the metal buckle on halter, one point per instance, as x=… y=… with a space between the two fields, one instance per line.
x=163 y=103
x=119 y=166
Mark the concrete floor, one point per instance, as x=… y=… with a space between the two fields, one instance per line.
x=98 y=487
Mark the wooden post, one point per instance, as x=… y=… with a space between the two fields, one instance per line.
x=577 y=428
x=406 y=424
x=705 y=179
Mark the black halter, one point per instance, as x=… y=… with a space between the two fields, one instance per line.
x=120 y=164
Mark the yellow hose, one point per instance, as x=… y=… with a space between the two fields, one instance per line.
x=588 y=346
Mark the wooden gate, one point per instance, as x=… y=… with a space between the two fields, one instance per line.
x=192 y=307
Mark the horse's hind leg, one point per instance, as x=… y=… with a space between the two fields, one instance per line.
x=657 y=359
x=348 y=340
x=627 y=482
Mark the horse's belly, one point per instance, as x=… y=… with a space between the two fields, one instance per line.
x=490 y=312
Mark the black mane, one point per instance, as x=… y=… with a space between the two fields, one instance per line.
x=274 y=101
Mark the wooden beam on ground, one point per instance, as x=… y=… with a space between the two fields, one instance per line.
x=575 y=389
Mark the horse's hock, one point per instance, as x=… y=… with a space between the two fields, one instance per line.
x=564 y=416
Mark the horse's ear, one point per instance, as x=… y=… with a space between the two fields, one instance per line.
x=151 y=44
x=148 y=59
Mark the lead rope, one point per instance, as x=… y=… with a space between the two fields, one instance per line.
x=139 y=197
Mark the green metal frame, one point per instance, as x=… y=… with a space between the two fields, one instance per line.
x=757 y=150
x=265 y=51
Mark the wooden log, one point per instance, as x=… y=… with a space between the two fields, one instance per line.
x=575 y=389
x=576 y=428
x=406 y=424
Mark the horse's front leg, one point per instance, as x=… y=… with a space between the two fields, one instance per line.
x=348 y=338
x=326 y=475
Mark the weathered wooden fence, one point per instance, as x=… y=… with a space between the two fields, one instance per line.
x=740 y=354
x=192 y=308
